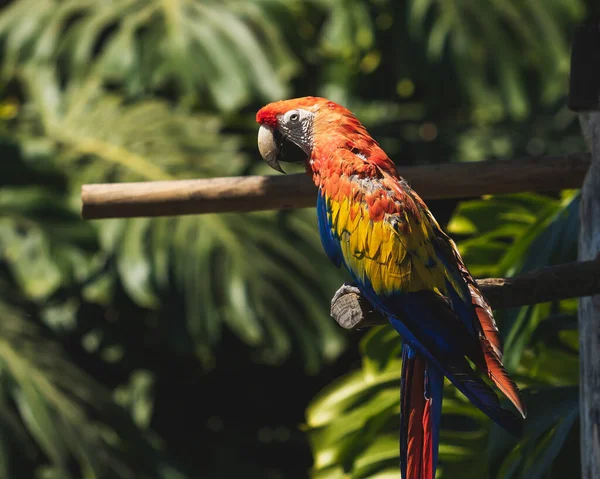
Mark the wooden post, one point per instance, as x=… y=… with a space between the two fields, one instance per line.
x=584 y=97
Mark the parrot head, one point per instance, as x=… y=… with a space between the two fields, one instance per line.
x=318 y=128
x=295 y=121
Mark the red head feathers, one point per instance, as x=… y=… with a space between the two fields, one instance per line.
x=319 y=127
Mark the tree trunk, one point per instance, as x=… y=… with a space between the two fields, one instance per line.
x=589 y=307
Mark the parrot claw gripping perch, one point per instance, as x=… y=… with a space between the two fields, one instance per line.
x=403 y=265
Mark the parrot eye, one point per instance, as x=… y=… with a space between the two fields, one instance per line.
x=296 y=126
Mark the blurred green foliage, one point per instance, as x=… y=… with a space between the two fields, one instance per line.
x=165 y=348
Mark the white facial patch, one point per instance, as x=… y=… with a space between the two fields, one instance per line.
x=297 y=125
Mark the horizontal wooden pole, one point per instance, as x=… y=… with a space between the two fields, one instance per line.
x=255 y=193
x=564 y=281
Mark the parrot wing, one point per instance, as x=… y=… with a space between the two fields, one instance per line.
x=407 y=268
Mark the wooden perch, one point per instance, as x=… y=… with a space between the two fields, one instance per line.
x=571 y=280
x=254 y=193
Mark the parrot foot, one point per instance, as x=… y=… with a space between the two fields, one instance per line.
x=351 y=310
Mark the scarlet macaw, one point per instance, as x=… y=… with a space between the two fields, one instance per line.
x=374 y=224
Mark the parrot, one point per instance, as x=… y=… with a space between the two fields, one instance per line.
x=372 y=223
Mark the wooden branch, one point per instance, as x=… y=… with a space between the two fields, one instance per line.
x=255 y=193
x=571 y=280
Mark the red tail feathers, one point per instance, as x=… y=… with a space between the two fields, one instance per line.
x=490 y=343
x=420 y=411
x=491 y=348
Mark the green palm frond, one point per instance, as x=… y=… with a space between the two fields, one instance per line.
x=498 y=231
x=43 y=243
x=348 y=30
x=229 y=51
x=490 y=37
x=514 y=234
x=202 y=273
x=235 y=272
x=72 y=419
x=148 y=140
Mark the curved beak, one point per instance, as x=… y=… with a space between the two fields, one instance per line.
x=270 y=143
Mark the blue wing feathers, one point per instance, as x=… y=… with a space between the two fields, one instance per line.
x=331 y=244
x=452 y=363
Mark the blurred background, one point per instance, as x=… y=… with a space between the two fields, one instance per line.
x=201 y=346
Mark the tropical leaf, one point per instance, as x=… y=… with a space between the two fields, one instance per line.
x=228 y=270
x=69 y=415
x=554 y=410
x=515 y=234
x=484 y=37
x=146 y=140
x=206 y=271
x=225 y=51
x=513 y=225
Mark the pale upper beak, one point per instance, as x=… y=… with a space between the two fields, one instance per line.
x=269 y=145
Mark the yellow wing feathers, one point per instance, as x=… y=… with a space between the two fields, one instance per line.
x=377 y=253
